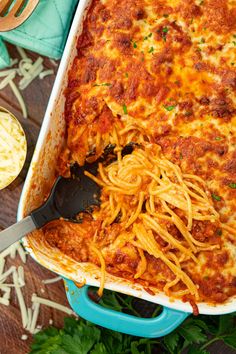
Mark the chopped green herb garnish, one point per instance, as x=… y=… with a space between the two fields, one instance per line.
x=125 y=109
x=234 y=43
x=169 y=108
x=216 y=197
x=218 y=232
x=218 y=138
x=126 y=75
x=188 y=114
x=164 y=32
x=234 y=35
x=202 y=40
x=103 y=84
x=151 y=50
x=134 y=44
x=232 y=185
x=181 y=156
x=165 y=15
x=199 y=49
x=146 y=37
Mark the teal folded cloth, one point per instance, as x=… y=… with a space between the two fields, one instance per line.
x=44 y=32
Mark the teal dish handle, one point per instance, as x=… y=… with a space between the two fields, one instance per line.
x=160 y=326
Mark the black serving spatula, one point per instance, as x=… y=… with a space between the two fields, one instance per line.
x=68 y=198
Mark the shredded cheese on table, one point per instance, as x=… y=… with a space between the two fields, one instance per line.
x=12 y=149
x=29 y=315
x=27 y=70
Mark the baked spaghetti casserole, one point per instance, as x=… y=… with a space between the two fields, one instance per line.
x=159 y=76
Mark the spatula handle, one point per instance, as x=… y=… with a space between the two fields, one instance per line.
x=16 y=232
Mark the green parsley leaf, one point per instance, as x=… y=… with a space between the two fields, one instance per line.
x=126 y=75
x=232 y=185
x=164 y=32
x=103 y=84
x=151 y=50
x=226 y=323
x=125 y=109
x=230 y=339
x=77 y=344
x=134 y=44
x=188 y=114
x=115 y=341
x=192 y=333
x=218 y=138
x=198 y=322
x=70 y=324
x=171 y=341
x=110 y=301
x=195 y=350
x=218 y=232
x=99 y=348
x=146 y=37
x=181 y=156
x=216 y=197
x=169 y=108
x=46 y=340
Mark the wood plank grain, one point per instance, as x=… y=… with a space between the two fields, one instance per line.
x=36 y=97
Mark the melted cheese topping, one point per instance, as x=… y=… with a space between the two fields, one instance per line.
x=12 y=149
x=165 y=71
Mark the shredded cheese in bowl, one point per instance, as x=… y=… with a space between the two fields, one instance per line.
x=13 y=148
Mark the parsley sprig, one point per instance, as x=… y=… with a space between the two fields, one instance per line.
x=103 y=84
x=169 y=108
x=194 y=336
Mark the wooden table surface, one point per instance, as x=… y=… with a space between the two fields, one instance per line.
x=36 y=97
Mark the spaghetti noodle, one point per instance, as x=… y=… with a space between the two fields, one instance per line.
x=140 y=181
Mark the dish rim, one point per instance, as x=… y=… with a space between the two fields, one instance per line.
x=160 y=298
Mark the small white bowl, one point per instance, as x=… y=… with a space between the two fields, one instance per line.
x=13 y=148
